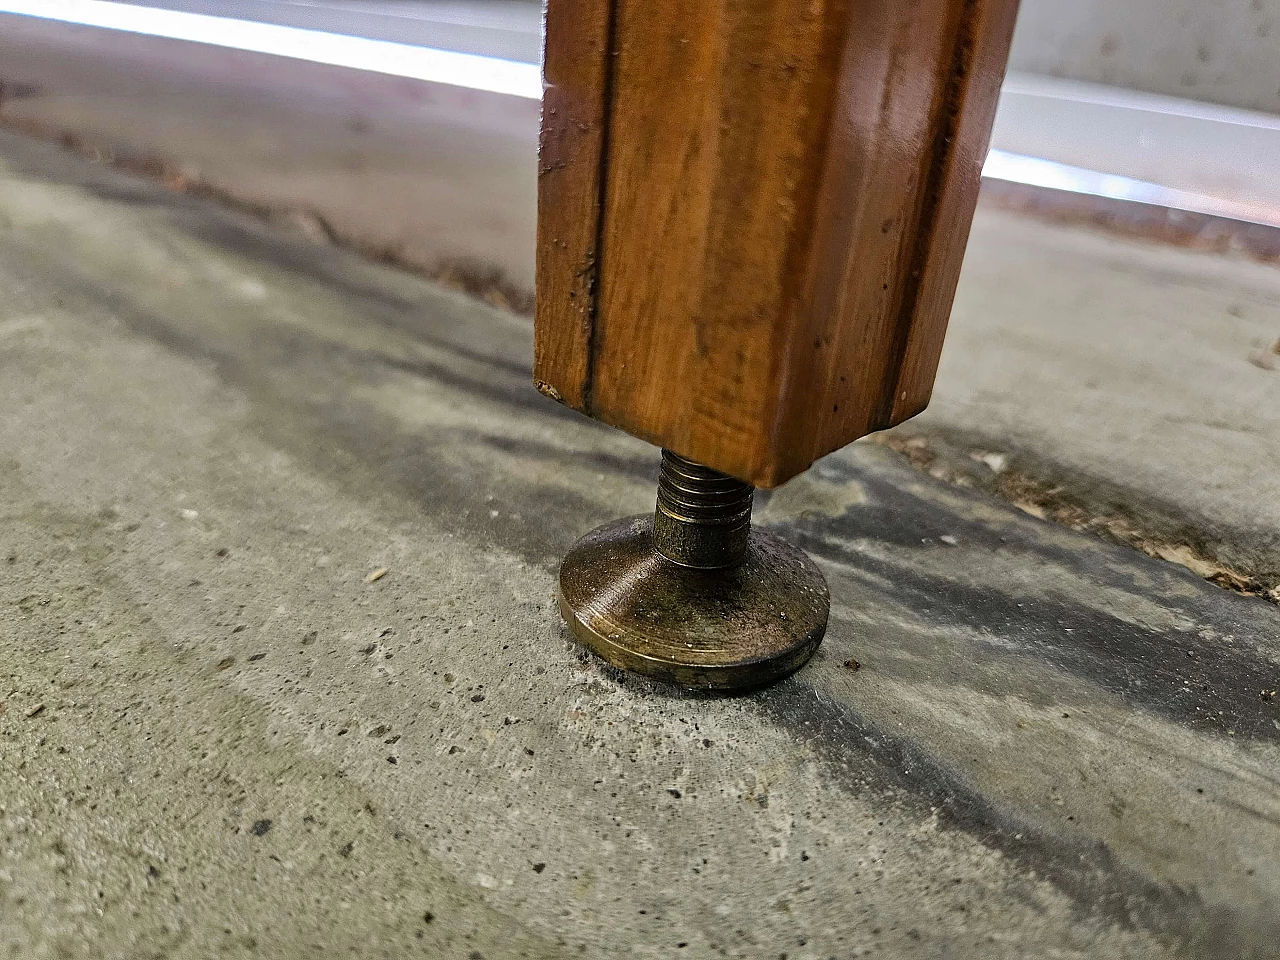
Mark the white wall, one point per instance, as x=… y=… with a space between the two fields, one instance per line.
x=1220 y=51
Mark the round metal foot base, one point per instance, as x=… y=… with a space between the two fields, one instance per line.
x=728 y=629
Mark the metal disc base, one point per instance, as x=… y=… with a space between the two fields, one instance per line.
x=728 y=629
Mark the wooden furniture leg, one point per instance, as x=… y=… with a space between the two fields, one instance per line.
x=752 y=215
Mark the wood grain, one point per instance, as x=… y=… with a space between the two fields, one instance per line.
x=766 y=216
x=571 y=155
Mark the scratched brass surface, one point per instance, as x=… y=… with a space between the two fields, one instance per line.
x=731 y=628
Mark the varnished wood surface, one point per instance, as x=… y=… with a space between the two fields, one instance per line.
x=765 y=215
x=570 y=170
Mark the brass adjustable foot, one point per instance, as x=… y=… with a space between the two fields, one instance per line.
x=693 y=595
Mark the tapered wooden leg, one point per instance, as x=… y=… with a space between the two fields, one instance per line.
x=752 y=215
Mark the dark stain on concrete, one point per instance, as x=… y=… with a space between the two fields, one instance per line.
x=866 y=758
x=1192 y=676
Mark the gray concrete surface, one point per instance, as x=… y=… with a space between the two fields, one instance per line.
x=1143 y=377
x=1129 y=366
x=430 y=174
x=221 y=736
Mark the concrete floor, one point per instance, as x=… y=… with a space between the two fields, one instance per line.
x=429 y=174
x=220 y=735
x=1142 y=378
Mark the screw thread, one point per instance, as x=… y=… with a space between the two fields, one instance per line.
x=703 y=517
